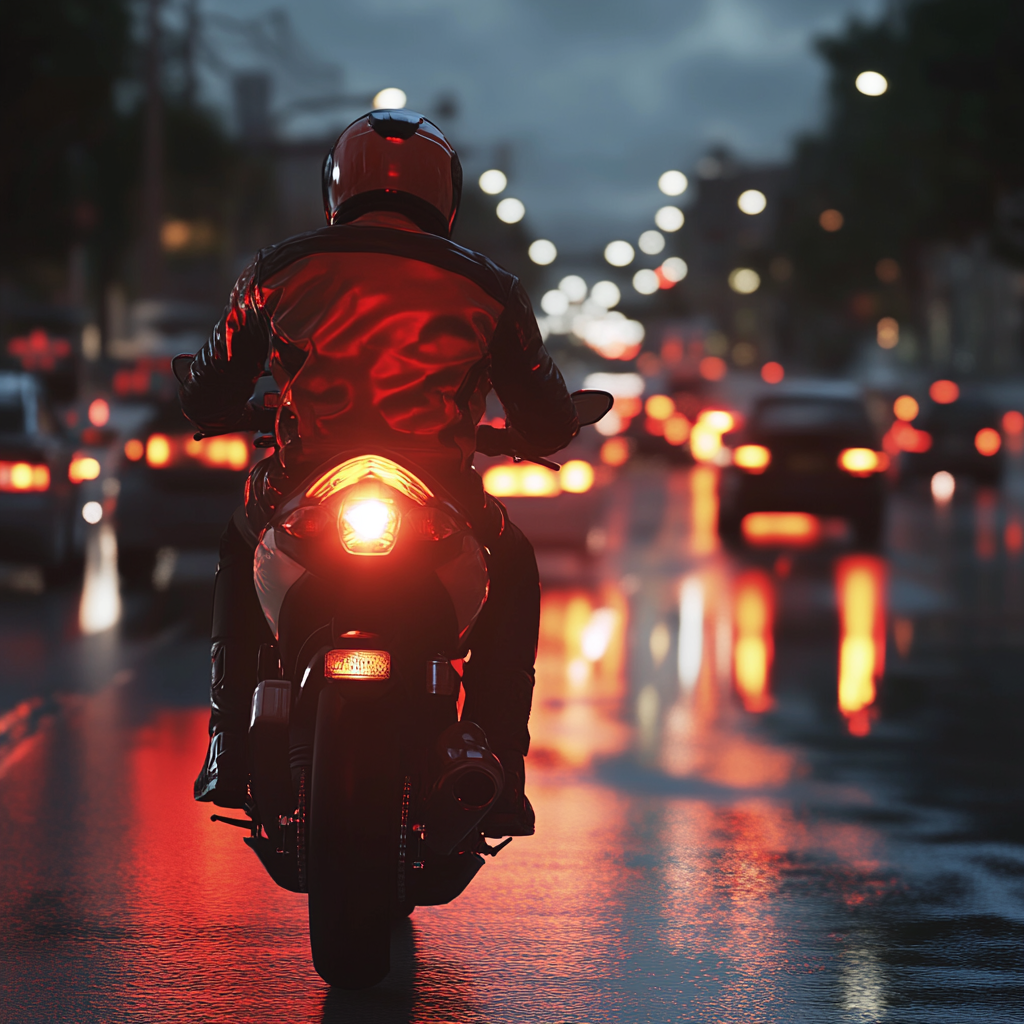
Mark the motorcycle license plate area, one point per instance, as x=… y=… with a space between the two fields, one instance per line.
x=355 y=664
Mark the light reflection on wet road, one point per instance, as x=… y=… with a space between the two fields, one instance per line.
x=778 y=788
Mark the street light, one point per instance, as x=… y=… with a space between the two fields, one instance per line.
x=871 y=83
x=752 y=201
x=511 y=211
x=673 y=183
x=646 y=282
x=493 y=182
x=619 y=253
x=542 y=252
x=669 y=218
x=389 y=99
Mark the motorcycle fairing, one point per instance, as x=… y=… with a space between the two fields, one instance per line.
x=274 y=574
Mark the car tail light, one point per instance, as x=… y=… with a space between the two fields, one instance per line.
x=348 y=664
x=158 y=451
x=24 y=477
x=369 y=526
x=781 y=528
x=862 y=461
x=753 y=458
x=307 y=522
x=987 y=441
x=134 y=449
x=228 y=451
x=83 y=467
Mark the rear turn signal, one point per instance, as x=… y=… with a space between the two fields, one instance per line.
x=369 y=526
x=357 y=665
x=754 y=458
x=862 y=461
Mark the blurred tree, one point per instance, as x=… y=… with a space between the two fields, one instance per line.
x=938 y=157
x=59 y=60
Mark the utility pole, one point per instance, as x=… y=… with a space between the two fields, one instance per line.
x=151 y=262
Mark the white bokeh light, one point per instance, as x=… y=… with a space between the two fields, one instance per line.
x=542 y=252
x=674 y=269
x=752 y=201
x=646 y=282
x=493 y=182
x=871 y=83
x=511 y=211
x=652 y=242
x=619 y=253
x=573 y=287
x=606 y=294
x=390 y=99
x=669 y=218
x=673 y=183
x=744 y=281
x=554 y=303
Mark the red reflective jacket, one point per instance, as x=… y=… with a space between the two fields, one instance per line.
x=380 y=333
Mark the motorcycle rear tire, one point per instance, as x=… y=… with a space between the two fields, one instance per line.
x=353 y=830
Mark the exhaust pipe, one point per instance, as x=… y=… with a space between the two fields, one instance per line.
x=469 y=781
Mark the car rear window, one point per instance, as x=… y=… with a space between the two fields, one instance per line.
x=810 y=414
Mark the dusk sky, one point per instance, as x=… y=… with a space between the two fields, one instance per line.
x=594 y=98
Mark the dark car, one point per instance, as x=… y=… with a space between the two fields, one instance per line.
x=39 y=505
x=175 y=491
x=813 y=452
x=964 y=440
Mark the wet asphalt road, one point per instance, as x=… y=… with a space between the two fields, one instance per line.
x=776 y=787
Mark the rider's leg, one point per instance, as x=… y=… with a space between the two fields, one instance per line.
x=499 y=675
x=239 y=629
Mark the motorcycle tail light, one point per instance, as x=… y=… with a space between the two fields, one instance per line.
x=431 y=523
x=348 y=664
x=370 y=467
x=306 y=523
x=862 y=461
x=369 y=526
x=753 y=458
x=24 y=477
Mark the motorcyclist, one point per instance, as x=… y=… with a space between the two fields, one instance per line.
x=380 y=330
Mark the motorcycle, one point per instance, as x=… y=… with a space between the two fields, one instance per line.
x=367 y=791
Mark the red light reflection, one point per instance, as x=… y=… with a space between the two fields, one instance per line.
x=860 y=594
x=754 y=646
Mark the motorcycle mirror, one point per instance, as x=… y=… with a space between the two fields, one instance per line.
x=591 y=405
x=180 y=365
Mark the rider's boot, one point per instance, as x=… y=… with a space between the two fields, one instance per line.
x=512 y=814
x=239 y=628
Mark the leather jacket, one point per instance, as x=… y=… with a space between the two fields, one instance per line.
x=379 y=333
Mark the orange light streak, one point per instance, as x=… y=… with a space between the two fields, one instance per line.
x=754 y=646
x=791 y=528
x=860 y=595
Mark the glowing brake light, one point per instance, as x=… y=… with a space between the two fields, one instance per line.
x=83 y=467
x=369 y=526
x=987 y=441
x=754 y=458
x=357 y=664
x=862 y=461
x=781 y=528
x=134 y=449
x=158 y=451
x=24 y=477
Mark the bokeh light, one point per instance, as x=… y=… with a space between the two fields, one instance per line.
x=619 y=253
x=752 y=202
x=987 y=441
x=713 y=368
x=674 y=269
x=606 y=294
x=943 y=487
x=659 y=407
x=652 y=242
x=389 y=99
x=772 y=373
x=99 y=412
x=906 y=408
x=511 y=211
x=573 y=287
x=669 y=218
x=542 y=252
x=1013 y=422
x=615 y=451
x=493 y=182
x=646 y=282
x=831 y=220
x=871 y=83
x=744 y=281
x=673 y=183
x=555 y=302
x=887 y=332
x=944 y=392
x=887 y=271
x=92 y=512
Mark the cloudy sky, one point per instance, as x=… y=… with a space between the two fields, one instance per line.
x=594 y=98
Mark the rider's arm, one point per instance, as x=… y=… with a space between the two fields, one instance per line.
x=526 y=380
x=225 y=370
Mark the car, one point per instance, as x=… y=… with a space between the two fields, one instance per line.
x=175 y=491
x=805 y=459
x=40 y=476
x=961 y=437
